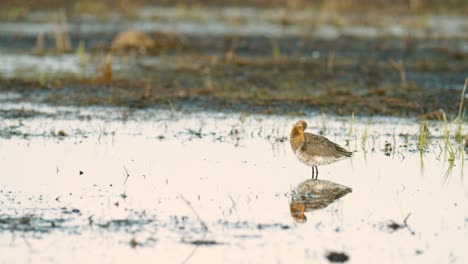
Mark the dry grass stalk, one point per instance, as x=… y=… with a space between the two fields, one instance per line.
x=398 y=65
x=62 y=39
x=331 y=61
x=39 y=48
x=105 y=71
x=230 y=45
x=460 y=106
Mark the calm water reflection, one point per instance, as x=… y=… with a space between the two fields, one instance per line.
x=313 y=195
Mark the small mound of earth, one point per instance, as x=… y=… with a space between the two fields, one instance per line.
x=132 y=39
x=337 y=257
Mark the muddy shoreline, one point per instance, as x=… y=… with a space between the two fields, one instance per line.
x=284 y=63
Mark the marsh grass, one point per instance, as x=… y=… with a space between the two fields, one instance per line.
x=462 y=158
x=331 y=61
x=81 y=55
x=350 y=131
x=276 y=52
x=398 y=65
x=449 y=149
x=324 y=125
x=171 y=107
x=423 y=136
x=105 y=71
x=62 y=39
x=421 y=163
x=365 y=134
x=461 y=115
x=39 y=48
x=422 y=144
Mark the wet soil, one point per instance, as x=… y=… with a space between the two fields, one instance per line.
x=343 y=75
x=239 y=58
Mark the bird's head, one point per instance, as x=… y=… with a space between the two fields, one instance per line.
x=297 y=212
x=300 y=126
x=298 y=131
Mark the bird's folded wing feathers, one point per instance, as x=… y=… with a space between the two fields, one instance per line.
x=316 y=145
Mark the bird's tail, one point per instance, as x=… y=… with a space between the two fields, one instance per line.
x=344 y=152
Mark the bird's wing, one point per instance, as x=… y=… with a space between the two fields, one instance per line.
x=316 y=145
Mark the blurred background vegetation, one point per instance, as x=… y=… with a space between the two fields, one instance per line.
x=11 y=9
x=400 y=57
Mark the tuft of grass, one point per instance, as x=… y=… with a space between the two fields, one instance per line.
x=173 y=112
x=350 y=129
x=423 y=143
x=423 y=136
x=275 y=49
x=364 y=137
x=81 y=54
x=398 y=65
x=461 y=114
x=62 y=39
x=421 y=163
x=388 y=149
x=39 y=48
x=448 y=148
x=133 y=243
x=448 y=144
x=324 y=125
x=331 y=61
x=105 y=71
x=462 y=158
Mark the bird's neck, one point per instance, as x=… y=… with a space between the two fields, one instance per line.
x=297 y=210
x=296 y=139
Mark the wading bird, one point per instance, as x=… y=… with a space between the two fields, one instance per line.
x=313 y=149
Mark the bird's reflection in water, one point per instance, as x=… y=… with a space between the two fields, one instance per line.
x=313 y=195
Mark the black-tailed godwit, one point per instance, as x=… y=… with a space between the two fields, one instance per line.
x=315 y=150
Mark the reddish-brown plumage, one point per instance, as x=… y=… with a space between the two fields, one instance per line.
x=314 y=149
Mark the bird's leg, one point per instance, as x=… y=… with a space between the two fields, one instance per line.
x=314 y=172
x=314 y=168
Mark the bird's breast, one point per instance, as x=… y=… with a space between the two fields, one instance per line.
x=296 y=143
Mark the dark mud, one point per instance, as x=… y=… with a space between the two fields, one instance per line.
x=340 y=76
x=337 y=257
x=283 y=65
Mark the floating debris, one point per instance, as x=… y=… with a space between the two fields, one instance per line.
x=202 y=242
x=337 y=257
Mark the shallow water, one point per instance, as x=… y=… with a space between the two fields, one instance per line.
x=173 y=187
x=246 y=21
x=25 y=66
